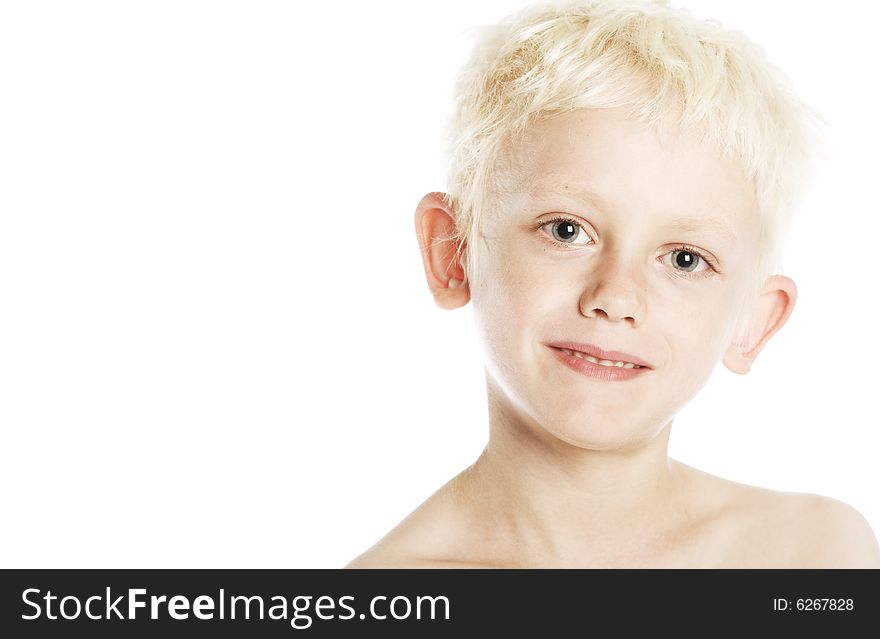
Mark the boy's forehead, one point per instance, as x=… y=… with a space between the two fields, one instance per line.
x=587 y=144
x=604 y=159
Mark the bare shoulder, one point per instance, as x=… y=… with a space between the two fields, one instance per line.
x=763 y=528
x=398 y=548
x=378 y=558
x=426 y=538
x=395 y=559
x=835 y=535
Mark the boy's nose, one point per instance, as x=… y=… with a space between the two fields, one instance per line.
x=615 y=293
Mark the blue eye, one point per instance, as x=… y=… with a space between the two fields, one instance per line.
x=566 y=231
x=686 y=260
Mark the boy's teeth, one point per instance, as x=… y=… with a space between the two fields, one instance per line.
x=602 y=362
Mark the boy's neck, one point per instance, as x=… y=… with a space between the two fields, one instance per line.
x=562 y=504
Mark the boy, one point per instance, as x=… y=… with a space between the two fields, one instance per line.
x=621 y=178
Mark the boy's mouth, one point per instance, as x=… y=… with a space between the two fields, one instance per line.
x=601 y=362
x=599 y=356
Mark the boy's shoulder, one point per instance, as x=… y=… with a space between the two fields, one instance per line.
x=770 y=528
x=434 y=535
x=379 y=559
x=740 y=526
x=403 y=548
x=833 y=533
x=394 y=550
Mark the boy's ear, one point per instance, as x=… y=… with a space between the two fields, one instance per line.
x=772 y=308
x=435 y=229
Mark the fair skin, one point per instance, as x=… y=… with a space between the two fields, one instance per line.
x=576 y=471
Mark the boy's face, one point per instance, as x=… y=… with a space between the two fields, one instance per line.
x=653 y=266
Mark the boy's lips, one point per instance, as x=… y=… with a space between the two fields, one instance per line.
x=601 y=354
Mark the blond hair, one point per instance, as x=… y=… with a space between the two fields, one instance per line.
x=662 y=64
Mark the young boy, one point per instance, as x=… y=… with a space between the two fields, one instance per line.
x=622 y=174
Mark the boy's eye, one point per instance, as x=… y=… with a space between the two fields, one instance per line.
x=684 y=259
x=688 y=261
x=567 y=231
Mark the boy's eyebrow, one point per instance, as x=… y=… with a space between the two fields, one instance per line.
x=682 y=223
x=576 y=191
x=700 y=224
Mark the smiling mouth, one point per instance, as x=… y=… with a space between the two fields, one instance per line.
x=601 y=362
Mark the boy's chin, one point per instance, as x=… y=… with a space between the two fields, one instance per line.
x=605 y=436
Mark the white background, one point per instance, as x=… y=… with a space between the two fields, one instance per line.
x=217 y=346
